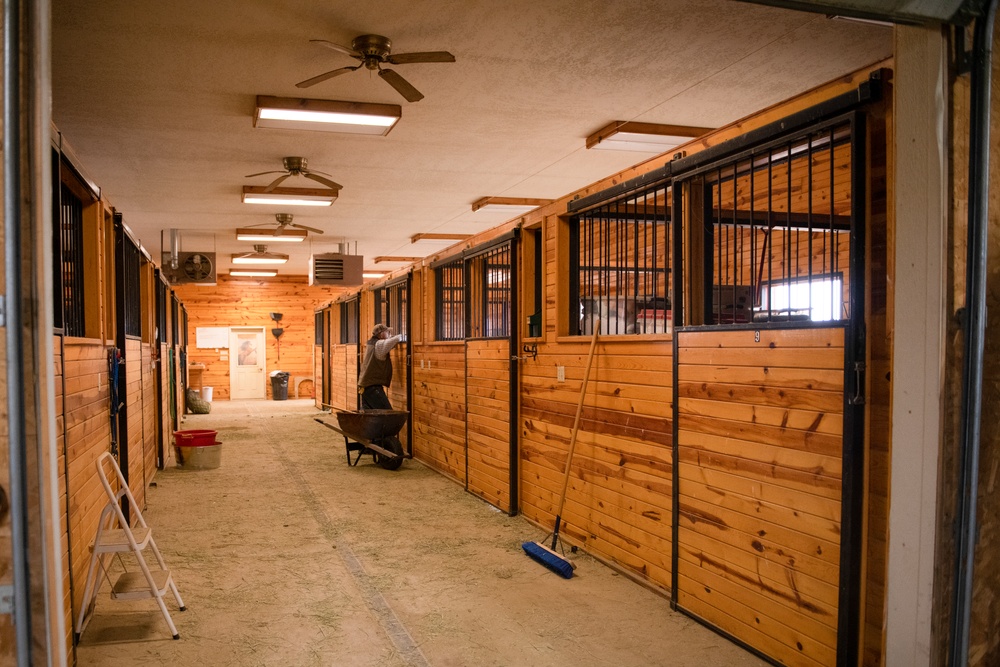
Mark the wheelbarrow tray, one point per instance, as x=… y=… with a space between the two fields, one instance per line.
x=371 y=424
x=381 y=425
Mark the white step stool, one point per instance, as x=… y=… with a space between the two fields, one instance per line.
x=115 y=537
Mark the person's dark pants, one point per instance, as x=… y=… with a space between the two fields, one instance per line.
x=374 y=398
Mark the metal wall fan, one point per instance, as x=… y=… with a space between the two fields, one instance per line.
x=296 y=166
x=373 y=51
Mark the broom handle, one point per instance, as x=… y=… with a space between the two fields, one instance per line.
x=576 y=421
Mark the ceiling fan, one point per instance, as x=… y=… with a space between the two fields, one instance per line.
x=373 y=51
x=296 y=166
x=285 y=220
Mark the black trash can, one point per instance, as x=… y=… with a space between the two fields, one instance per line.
x=279 y=386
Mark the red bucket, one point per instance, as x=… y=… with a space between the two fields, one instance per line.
x=195 y=438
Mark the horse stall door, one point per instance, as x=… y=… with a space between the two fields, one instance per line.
x=490 y=376
x=760 y=436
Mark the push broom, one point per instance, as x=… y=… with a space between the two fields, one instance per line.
x=548 y=556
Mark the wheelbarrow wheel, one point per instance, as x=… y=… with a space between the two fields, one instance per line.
x=393 y=444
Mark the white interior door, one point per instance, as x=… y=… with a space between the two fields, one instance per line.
x=247 y=378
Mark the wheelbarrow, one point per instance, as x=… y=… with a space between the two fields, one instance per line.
x=371 y=432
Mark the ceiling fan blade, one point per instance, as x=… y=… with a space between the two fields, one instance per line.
x=323 y=77
x=314 y=171
x=276 y=182
x=325 y=181
x=401 y=85
x=422 y=57
x=336 y=47
x=309 y=229
x=276 y=171
x=279 y=231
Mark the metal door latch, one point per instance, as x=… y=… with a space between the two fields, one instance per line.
x=6 y=599
x=859 y=383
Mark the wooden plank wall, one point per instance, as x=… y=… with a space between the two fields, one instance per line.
x=63 y=497
x=344 y=377
x=239 y=302
x=619 y=500
x=136 y=419
x=318 y=374
x=167 y=428
x=438 y=411
x=85 y=416
x=150 y=434
x=760 y=436
x=487 y=391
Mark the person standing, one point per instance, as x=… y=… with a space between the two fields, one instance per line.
x=376 y=368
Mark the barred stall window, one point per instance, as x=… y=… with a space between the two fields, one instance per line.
x=490 y=293
x=390 y=306
x=67 y=253
x=778 y=230
x=318 y=324
x=620 y=265
x=450 y=298
x=161 y=308
x=130 y=292
x=349 y=322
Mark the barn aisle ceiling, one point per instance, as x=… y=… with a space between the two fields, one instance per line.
x=157 y=101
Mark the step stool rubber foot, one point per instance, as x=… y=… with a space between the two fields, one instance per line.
x=184 y=608
x=177 y=636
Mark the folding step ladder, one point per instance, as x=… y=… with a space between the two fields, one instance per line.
x=115 y=537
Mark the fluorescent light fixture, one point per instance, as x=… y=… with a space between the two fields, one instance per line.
x=326 y=115
x=255 y=194
x=286 y=236
x=372 y=274
x=508 y=204
x=621 y=135
x=260 y=255
x=438 y=237
x=247 y=273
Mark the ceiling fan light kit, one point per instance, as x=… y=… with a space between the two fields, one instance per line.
x=621 y=135
x=326 y=115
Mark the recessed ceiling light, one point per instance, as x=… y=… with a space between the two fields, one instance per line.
x=326 y=115
x=623 y=135
x=256 y=194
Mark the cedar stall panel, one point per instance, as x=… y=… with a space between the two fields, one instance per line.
x=167 y=429
x=344 y=377
x=318 y=375
x=149 y=410
x=759 y=467
x=84 y=415
x=397 y=390
x=63 y=486
x=618 y=502
x=136 y=443
x=488 y=420
x=438 y=412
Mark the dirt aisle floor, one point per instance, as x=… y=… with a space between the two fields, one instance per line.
x=284 y=555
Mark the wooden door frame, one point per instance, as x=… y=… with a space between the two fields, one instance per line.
x=233 y=357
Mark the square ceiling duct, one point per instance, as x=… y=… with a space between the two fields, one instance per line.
x=334 y=268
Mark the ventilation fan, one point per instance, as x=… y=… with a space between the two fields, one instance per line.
x=192 y=267
x=373 y=51
x=296 y=166
x=336 y=269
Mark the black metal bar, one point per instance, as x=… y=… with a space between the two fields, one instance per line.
x=408 y=318
x=515 y=388
x=675 y=460
x=974 y=336
x=852 y=484
x=676 y=266
x=646 y=180
x=121 y=332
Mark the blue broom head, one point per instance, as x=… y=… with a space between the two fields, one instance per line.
x=549 y=559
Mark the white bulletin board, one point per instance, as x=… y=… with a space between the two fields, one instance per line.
x=213 y=337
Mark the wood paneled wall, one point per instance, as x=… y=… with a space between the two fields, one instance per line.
x=235 y=302
x=85 y=421
x=487 y=395
x=438 y=412
x=760 y=437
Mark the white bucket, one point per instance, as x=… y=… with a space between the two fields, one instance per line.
x=206 y=394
